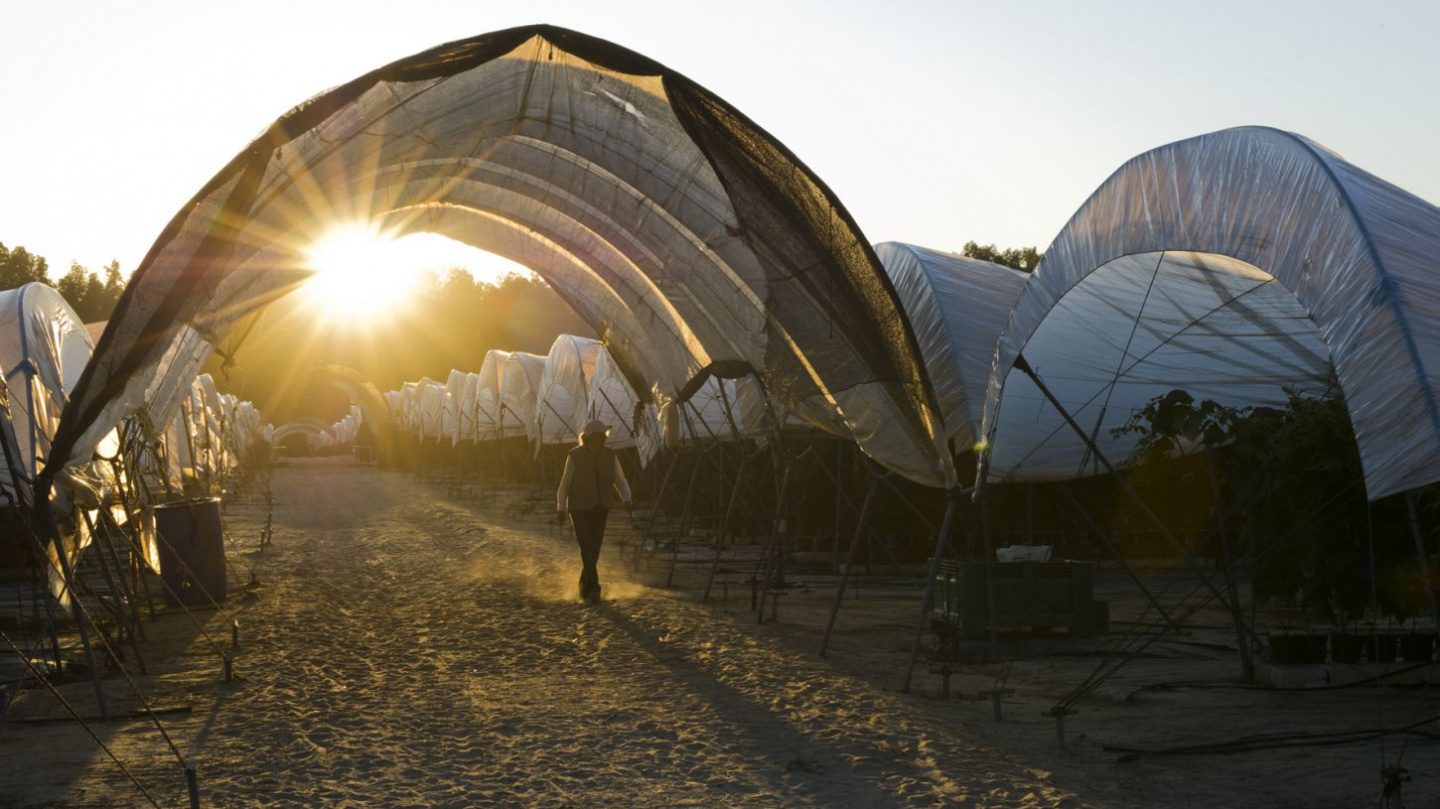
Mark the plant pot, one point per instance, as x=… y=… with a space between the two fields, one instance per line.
x=1346 y=647
x=1418 y=647
x=1291 y=650
x=1384 y=652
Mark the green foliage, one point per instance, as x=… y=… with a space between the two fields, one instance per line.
x=1291 y=490
x=19 y=267
x=1024 y=259
x=92 y=298
x=1173 y=424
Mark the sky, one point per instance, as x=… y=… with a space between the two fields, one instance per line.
x=934 y=122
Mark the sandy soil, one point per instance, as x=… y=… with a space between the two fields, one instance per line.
x=405 y=648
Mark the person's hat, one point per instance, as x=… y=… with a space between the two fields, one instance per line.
x=595 y=426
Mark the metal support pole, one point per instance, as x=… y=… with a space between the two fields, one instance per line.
x=1247 y=664
x=942 y=537
x=684 y=522
x=775 y=546
x=1119 y=559
x=839 y=500
x=852 y=558
x=1423 y=554
x=125 y=615
x=725 y=525
x=982 y=503
x=1150 y=516
x=655 y=507
x=69 y=575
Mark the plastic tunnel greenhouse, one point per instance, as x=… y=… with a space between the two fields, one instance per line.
x=957 y=307
x=1234 y=265
x=689 y=239
x=563 y=400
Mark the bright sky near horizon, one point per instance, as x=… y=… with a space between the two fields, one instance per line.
x=934 y=122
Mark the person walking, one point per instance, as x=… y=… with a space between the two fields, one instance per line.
x=592 y=484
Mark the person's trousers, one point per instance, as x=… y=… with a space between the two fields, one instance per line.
x=590 y=533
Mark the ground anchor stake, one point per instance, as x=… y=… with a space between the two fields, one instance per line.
x=1060 y=713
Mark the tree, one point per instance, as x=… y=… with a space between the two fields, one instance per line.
x=1024 y=259
x=71 y=286
x=92 y=299
x=1292 y=491
x=114 y=285
x=18 y=267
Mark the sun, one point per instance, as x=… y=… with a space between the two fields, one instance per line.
x=360 y=272
x=363 y=274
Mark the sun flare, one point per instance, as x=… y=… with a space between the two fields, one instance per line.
x=362 y=273
x=359 y=272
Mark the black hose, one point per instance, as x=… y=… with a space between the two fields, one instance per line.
x=1276 y=741
x=1175 y=686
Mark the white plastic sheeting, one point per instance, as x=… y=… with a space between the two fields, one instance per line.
x=454 y=394
x=347 y=429
x=247 y=427
x=431 y=403
x=209 y=412
x=712 y=413
x=519 y=389
x=713 y=246
x=728 y=410
x=467 y=416
x=614 y=401
x=1215 y=326
x=187 y=448
x=487 y=394
x=43 y=349
x=562 y=402
x=407 y=408
x=1358 y=255
x=957 y=307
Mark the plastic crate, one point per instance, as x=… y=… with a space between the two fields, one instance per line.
x=1028 y=596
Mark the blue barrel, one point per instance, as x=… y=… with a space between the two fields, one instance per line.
x=192 y=552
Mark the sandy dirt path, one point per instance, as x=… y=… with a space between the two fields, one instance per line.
x=409 y=650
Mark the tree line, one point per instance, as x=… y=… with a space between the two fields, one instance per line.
x=1024 y=259
x=92 y=295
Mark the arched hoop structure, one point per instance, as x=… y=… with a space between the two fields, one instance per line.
x=1225 y=214
x=957 y=307
x=362 y=392
x=305 y=425
x=670 y=221
x=43 y=347
x=487 y=394
x=519 y=392
x=562 y=403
